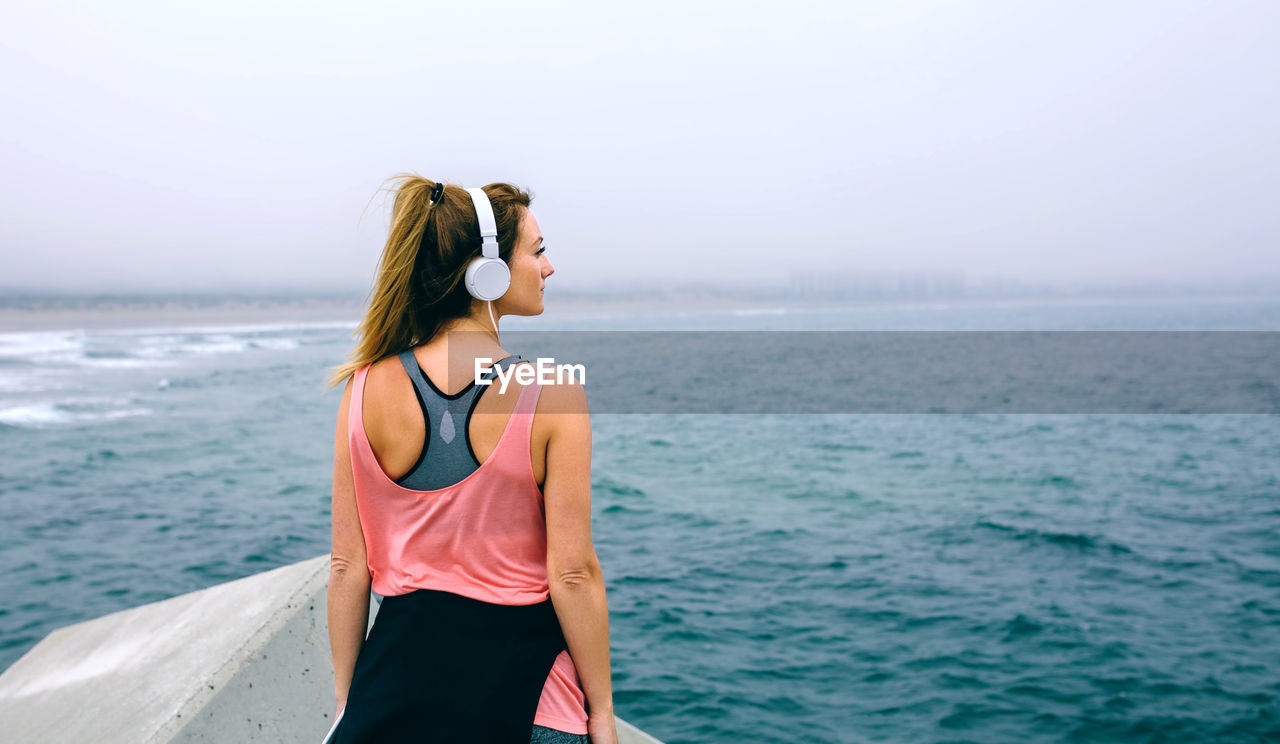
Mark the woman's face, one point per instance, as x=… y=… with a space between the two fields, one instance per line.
x=529 y=271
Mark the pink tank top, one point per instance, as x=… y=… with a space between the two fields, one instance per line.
x=484 y=537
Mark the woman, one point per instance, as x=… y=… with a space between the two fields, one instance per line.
x=493 y=625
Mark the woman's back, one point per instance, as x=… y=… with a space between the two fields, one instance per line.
x=482 y=536
x=396 y=426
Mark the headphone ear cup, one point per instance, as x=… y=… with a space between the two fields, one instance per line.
x=487 y=278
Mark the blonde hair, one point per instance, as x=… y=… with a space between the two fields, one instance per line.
x=419 y=282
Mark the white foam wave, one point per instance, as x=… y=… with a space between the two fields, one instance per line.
x=243 y=328
x=29 y=380
x=196 y=349
x=120 y=363
x=145 y=348
x=51 y=414
x=198 y=343
x=38 y=344
x=36 y=415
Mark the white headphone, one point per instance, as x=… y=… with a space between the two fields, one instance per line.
x=487 y=277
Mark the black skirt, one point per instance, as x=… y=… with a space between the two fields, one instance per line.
x=440 y=667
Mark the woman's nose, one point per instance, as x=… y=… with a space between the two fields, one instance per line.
x=549 y=270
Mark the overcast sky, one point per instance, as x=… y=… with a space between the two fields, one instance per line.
x=241 y=144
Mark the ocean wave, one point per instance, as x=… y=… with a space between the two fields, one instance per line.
x=37 y=344
x=206 y=347
x=1073 y=540
x=31 y=381
x=34 y=415
x=240 y=328
x=140 y=349
x=39 y=415
x=99 y=361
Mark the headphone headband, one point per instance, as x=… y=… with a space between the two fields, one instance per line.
x=488 y=276
x=488 y=226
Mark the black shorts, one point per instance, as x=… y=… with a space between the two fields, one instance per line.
x=441 y=667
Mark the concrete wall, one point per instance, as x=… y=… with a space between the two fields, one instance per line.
x=243 y=661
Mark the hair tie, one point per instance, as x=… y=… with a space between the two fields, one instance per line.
x=437 y=193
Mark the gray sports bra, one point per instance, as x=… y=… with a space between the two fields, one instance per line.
x=446 y=456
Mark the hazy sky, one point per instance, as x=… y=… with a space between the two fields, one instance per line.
x=173 y=145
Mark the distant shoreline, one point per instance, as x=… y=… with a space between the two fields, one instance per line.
x=51 y=313
x=116 y=315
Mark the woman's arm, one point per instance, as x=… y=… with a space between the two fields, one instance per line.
x=349 y=580
x=573 y=570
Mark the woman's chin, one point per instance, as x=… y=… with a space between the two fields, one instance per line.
x=527 y=311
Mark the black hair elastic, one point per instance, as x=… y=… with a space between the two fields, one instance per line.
x=437 y=193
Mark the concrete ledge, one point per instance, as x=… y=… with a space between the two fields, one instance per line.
x=247 y=660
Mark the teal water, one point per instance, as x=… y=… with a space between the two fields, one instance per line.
x=779 y=578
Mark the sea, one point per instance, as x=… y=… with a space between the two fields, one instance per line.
x=987 y=578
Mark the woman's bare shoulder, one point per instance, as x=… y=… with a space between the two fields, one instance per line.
x=385 y=385
x=381 y=370
x=569 y=396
